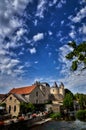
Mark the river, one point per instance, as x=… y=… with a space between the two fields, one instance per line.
x=61 y=125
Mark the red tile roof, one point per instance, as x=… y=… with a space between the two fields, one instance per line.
x=23 y=90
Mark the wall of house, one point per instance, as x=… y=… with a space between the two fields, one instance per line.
x=12 y=105
x=46 y=91
x=36 y=96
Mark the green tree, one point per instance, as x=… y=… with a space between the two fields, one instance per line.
x=78 y=55
x=81 y=98
x=26 y=107
x=68 y=101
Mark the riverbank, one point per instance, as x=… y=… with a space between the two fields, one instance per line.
x=17 y=124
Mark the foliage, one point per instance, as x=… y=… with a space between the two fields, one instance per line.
x=26 y=107
x=40 y=107
x=81 y=115
x=81 y=98
x=78 y=55
x=67 y=91
x=56 y=115
x=68 y=101
x=3 y=104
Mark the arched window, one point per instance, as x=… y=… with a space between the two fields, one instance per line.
x=9 y=109
x=10 y=98
x=14 y=108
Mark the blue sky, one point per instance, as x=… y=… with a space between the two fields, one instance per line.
x=33 y=42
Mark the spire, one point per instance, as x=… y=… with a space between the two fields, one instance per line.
x=55 y=84
x=61 y=85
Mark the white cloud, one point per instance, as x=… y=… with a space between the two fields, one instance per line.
x=41 y=8
x=82 y=29
x=7 y=66
x=50 y=33
x=8 y=21
x=82 y=1
x=53 y=2
x=61 y=2
x=32 y=51
x=36 y=62
x=73 y=80
x=62 y=22
x=79 y=16
x=72 y=34
x=38 y=37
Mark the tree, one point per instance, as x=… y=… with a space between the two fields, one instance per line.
x=68 y=101
x=81 y=98
x=78 y=55
x=26 y=107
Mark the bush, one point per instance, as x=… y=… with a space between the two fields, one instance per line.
x=81 y=115
x=56 y=116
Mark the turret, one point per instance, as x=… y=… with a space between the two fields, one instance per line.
x=54 y=89
x=61 y=89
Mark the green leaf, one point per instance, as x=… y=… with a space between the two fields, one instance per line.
x=81 y=57
x=72 y=44
x=70 y=55
x=74 y=65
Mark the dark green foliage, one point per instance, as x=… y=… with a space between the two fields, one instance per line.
x=68 y=101
x=78 y=55
x=67 y=91
x=56 y=115
x=74 y=65
x=81 y=115
x=3 y=104
x=26 y=107
x=81 y=98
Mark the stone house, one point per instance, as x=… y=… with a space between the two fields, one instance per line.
x=29 y=94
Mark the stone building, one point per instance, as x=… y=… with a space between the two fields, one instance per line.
x=45 y=88
x=56 y=96
x=57 y=93
x=29 y=94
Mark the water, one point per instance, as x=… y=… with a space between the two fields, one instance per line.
x=61 y=125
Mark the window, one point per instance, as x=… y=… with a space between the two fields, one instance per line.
x=14 y=108
x=37 y=94
x=36 y=101
x=10 y=98
x=9 y=109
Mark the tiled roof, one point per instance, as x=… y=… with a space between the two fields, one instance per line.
x=23 y=90
x=2 y=96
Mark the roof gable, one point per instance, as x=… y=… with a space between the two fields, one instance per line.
x=23 y=90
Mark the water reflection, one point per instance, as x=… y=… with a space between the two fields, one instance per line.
x=62 y=125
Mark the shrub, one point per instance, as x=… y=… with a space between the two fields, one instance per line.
x=81 y=115
x=56 y=115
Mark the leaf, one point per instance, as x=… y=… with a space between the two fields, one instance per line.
x=74 y=65
x=81 y=57
x=72 y=44
x=70 y=55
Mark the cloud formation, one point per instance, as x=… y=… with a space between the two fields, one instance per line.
x=33 y=50
x=38 y=37
x=79 y=16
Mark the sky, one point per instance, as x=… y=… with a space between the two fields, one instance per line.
x=33 y=42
